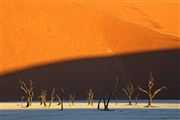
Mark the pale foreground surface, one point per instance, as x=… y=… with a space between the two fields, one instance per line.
x=81 y=111
x=83 y=105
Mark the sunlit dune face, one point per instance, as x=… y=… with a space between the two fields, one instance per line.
x=160 y=15
x=36 y=33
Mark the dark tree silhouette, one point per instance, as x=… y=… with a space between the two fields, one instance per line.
x=71 y=99
x=137 y=94
x=149 y=92
x=90 y=97
x=52 y=97
x=60 y=98
x=136 y=98
x=22 y=98
x=106 y=104
x=101 y=97
x=42 y=97
x=28 y=91
x=129 y=90
x=116 y=100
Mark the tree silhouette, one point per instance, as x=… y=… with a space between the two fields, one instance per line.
x=28 y=89
x=60 y=98
x=149 y=92
x=129 y=90
x=106 y=104
x=90 y=97
x=52 y=97
x=42 y=97
x=101 y=97
x=22 y=98
x=136 y=98
x=71 y=99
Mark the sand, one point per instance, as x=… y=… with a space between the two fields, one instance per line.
x=40 y=32
x=80 y=105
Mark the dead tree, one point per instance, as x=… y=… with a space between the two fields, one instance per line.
x=116 y=101
x=106 y=104
x=42 y=97
x=129 y=90
x=101 y=97
x=22 y=98
x=111 y=94
x=136 y=99
x=28 y=91
x=71 y=99
x=137 y=94
x=90 y=97
x=149 y=92
x=116 y=93
x=52 y=97
x=60 y=98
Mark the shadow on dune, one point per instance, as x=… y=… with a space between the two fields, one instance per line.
x=77 y=75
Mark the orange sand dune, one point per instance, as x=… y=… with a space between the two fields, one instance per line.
x=41 y=32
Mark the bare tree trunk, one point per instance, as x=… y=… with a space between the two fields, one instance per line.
x=52 y=97
x=41 y=102
x=91 y=100
x=149 y=102
x=31 y=98
x=51 y=102
x=107 y=104
x=111 y=94
x=59 y=100
x=90 y=96
x=129 y=100
x=22 y=98
x=136 y=99
x=116 y=100
x=72 y=101
x=28 y=102
x=99 y=101
x=61 y=104
x=44 y=101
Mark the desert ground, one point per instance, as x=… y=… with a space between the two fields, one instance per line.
x=84 y=105
x=81 y=111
